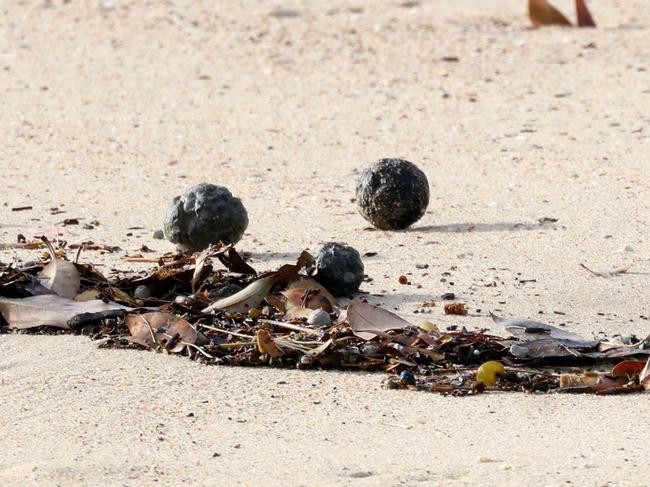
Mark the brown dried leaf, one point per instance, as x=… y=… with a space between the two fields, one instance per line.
x=310 y=299
x=584 y=16
x=163 y=329
x=266 y=345
x=309 y=283
x=543 y=13
x=48 y=310
x=627 y=368
x=248 y=298
x=234 y=262
x=253 y=294
x=368 y=321
x=60 y=276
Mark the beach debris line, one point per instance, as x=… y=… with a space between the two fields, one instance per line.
x=287 y=318
x=542 y=13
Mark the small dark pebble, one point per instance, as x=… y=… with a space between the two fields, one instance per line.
x=448 y=296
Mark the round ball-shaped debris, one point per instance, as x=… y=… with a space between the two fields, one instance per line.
x=205 y=214
x=340 y=268
x=392 y=194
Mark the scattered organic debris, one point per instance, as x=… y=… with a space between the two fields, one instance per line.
x=234 y=315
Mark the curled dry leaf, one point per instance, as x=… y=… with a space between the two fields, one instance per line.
x=266 y=345
x=48 y=310
x=233 y=261
x=310 y=299
x=368 y=321
x=312 y=284
x=60 y=276
x=248 y=298
x=202 y=268
x=543 y=13
x=627 y=368
x=162 y=329
x=584 y=16
x=253 y=295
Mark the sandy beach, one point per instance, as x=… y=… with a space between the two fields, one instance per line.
x=536 y=146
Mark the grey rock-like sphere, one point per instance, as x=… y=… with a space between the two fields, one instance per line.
x=392 y=194
x=340 y=268
x=205 y=214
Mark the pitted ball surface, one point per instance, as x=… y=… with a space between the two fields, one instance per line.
x=205 y=214
x=392 y=194
x=340 y=268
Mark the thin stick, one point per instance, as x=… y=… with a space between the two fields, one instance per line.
x=198 y=348
x=289 y=326
x=226 y=331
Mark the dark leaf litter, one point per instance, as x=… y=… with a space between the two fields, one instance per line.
x=233 y=315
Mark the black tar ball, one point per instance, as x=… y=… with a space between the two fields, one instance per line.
x=392 y=194
x=205 y=214
x=340 y=269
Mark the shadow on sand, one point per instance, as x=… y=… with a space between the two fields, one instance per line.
x=480 y=227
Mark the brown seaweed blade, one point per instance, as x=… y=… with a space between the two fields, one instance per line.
x=584 y=16
x=543 y=13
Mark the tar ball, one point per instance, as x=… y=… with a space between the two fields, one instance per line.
x=205 y=214
x=339 y=269
x=392 y=194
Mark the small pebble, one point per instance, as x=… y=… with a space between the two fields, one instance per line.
x=519 y=351
x=158 y=235
x=319 y=318
x=142 y=292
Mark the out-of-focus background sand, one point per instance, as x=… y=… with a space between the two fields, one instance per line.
x=108 y=110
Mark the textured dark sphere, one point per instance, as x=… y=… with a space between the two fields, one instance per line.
x=392 y=194
x=340 y=269
x=205 y=214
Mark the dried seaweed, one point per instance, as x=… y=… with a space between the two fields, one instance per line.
x=183 y=311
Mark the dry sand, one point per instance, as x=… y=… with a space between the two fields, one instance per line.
x=108 y=111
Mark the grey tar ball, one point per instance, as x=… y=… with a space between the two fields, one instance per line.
x=205 y=214
x=340 y=268
x=392 y=194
